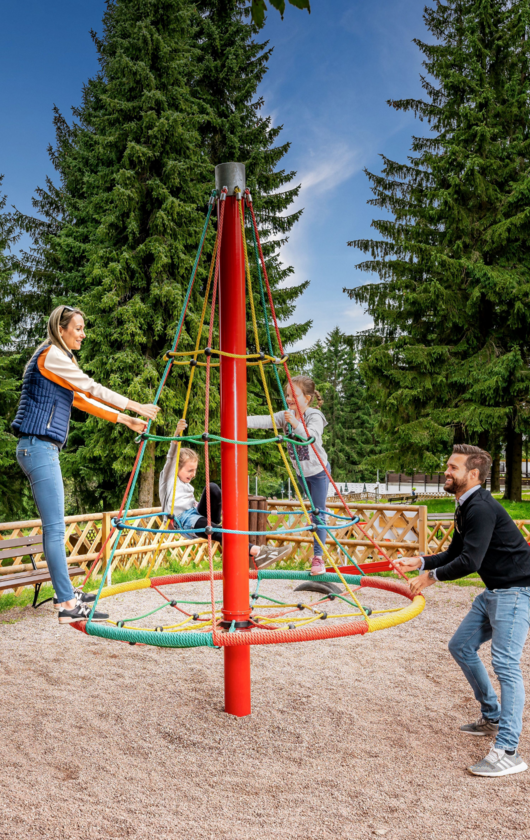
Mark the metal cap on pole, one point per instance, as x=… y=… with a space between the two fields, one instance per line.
x=230 y=175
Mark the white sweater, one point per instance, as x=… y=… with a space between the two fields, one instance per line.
x=315 y=422
x=184 y=494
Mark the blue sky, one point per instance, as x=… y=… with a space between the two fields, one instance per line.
x=329 y=77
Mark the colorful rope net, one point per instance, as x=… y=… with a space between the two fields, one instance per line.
x=272 y=620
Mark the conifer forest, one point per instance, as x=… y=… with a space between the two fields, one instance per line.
x=114 y=232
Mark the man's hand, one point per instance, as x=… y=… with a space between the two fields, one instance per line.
x=420 y=583
x=408 y=564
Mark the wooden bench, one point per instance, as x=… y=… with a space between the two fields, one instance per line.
x=22 y=546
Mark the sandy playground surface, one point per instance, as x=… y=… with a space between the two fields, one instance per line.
x=349 y=738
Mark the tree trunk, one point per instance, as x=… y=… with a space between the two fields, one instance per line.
x=496 y=475
x=514 y=456
x=147 y=478
x=483 y=442
x=508 y=460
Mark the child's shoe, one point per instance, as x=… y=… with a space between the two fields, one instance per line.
x=272 y=554
x=318 y=567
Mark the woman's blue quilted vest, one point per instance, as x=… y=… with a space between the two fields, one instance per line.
x=44 y=407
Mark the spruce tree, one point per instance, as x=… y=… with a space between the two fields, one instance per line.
x=232 y=65
x=449 y=353
x=16 y=306
x=120 y=233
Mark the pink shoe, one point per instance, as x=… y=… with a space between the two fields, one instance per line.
x=318 y=566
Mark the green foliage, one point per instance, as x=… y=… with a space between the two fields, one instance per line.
x=175 y=95
x=259 y=7
x=15 y=495
x=449 y=354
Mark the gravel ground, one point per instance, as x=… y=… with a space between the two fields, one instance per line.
x=349 y=738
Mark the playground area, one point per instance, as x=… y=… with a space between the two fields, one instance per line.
x=350 y=738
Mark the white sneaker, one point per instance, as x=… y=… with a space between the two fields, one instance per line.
x=498 y=763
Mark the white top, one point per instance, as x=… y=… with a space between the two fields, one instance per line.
x=56 y=365
x=315 y=422
x=184 y=494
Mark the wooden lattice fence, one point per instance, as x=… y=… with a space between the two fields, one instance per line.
x=399 y=529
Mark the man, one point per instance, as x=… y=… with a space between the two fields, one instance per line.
x=487 y=541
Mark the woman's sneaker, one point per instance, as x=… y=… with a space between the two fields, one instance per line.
x=498 y=763
x=80 y=597
x=80 y=613
x=271 y=554
x=318 y=567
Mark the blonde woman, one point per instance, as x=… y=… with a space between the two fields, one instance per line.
x=53 y=382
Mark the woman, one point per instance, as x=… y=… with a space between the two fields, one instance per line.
x=53 y=382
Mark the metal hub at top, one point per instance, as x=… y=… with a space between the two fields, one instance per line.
x=230 y=175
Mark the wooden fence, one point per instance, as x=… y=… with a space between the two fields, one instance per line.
x=399 y=529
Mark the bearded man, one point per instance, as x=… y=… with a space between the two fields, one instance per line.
x=486 y=540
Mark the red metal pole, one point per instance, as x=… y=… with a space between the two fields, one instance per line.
x=234 y=460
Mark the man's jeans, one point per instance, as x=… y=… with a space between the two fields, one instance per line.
x=39 y=460
x=503 y=616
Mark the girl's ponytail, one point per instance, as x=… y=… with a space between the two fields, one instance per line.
x=319 y=398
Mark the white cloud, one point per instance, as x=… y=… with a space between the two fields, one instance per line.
x=336 y=165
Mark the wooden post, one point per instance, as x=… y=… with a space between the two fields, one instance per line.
x=423 y=545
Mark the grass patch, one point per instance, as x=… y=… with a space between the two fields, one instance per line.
x=517 y=510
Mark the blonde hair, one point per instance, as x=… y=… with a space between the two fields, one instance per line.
x=60 y=317
x=187 y=455
x=307 y=387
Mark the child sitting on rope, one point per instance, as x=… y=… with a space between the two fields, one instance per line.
x=187 y=514
x=316 y=478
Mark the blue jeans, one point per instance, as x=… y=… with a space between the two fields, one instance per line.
x=318 y=491
x=39 y=460
x=503 y=616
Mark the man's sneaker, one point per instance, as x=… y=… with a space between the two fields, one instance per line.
x=318 y=567
x=271 y=554
x=480 y=726
x=498 y=763
x=80 y=597
x=80 y=613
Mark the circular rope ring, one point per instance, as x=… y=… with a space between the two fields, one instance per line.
x=218 y=638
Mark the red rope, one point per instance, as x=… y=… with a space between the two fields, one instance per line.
x=280 y=345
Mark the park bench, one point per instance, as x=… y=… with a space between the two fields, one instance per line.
x=20 y=547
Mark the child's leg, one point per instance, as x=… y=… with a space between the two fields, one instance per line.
x=318 y=490
x=215 y=503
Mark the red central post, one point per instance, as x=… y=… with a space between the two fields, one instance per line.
x=234 y=458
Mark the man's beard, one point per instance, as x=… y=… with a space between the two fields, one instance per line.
x=452 y=485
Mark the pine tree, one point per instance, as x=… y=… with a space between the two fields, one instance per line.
x=120 y=233
x=231 y=67
x=449 y=353
x=15 y=315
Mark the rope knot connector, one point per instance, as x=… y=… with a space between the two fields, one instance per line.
x=205 y=436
